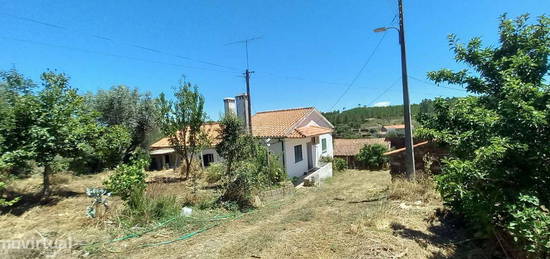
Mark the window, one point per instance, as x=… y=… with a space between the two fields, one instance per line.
x=298 y=154
x=324 y=145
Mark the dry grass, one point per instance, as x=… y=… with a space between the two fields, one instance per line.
x=420 y=190
x=346 y=216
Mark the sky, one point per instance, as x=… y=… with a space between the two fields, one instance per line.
x=309 y=53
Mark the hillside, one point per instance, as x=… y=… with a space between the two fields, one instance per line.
x=367 y=121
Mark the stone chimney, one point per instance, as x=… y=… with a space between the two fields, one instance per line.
x=242 y=109
x=229 y=105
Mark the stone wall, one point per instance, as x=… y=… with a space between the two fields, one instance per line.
x=421 y=150
x=278 y=193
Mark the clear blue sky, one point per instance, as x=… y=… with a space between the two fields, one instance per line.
x=309 y=53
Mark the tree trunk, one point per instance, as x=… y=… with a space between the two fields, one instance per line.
x=188 y=167
x=46 y=181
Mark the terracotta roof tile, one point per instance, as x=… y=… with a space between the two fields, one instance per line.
x=309 y=131
x=351 y=147
x=211 y=130
x=278 y=123
x=398 y=126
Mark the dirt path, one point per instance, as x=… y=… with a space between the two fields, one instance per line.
x=335 y=220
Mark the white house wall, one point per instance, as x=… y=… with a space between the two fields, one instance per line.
x=319 y=149
x=293 y=168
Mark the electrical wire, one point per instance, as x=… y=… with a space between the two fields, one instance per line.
x=359 y=72
x=109 y=54
x=134 y=45
x=436 y=86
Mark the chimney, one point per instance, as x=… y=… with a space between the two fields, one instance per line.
x=242 y=109
x=229 y=105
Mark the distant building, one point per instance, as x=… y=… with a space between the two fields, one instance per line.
x=347 y=149
x=399 y=128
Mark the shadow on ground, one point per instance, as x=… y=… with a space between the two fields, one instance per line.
x=449 y=230
x=30 y=200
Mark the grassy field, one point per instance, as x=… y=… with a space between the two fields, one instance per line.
x=354 y=214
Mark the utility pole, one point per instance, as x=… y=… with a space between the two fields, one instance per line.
x=409 y=152
x=247 y=73
x=249 y=110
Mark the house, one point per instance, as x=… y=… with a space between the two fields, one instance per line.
x=399 y=129
x=163 y=155
x=300 y=137
x=347 y=149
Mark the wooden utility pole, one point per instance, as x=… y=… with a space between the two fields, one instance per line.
x=247 y=73
x=409 y=152
x=249 y=110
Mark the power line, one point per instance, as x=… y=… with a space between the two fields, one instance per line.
x=384 y=92
x=60 y=27
x=110 y=54
x=360 y=71
x=363 y=67
x=434 y=85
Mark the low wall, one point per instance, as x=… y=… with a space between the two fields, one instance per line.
x=278 y=193
x=421 y=150
x=324 y=172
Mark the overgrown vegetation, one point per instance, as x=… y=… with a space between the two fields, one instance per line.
x=128 y=180
x=182 y=120
x=249 y=165
x=498 y=173
x=372 y=156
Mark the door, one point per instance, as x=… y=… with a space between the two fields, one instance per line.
x=207 y=159
x=309 y=156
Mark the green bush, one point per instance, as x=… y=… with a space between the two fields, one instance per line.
x=530 y=224
x=127 y=179
x=372 y=156
x=240 y=188
x=497 y=174
x=339 y=164
x=214 y=172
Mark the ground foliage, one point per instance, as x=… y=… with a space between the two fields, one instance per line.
x=372 y=156
x=498 y=171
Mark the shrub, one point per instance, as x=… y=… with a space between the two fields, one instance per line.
x=5 y=202
x=214 y=172
x=144 y=208
x=127 y=179
x=372 y=156
x=530 y=225
x=339 y=164
x=240 y=188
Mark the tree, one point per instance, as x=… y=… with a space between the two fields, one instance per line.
x=14 y=120
x=181 y=120
x=121 y=106
x=230 y=146
x=59 y=120
x=498 y=173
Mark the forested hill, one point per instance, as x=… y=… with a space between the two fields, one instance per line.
x=349 y=123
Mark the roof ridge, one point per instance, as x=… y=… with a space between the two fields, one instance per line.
x=290 y=109
x=294 y=125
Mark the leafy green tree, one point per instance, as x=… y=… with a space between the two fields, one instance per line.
x=58 y=122
x=498 y=173
x=110 y=147
x=372 y=156
x=122 y=106
x=181 y=120
x=231 y=144
x=14 y=120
